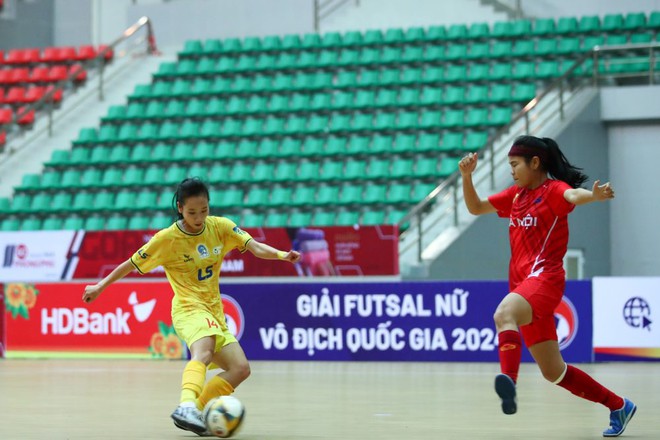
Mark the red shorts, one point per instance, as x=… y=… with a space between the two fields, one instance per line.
x=544 y=296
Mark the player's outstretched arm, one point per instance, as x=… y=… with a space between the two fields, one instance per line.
x=93 y=291
x=581 y=196
x=474 y=204
x=262 y=250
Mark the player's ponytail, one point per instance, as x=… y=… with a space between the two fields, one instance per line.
x=552 y=159
x=560 y=168
x=190 y=187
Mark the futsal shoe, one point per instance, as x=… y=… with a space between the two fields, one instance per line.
x=619 y=419
x=506 y=389
x=189 y=418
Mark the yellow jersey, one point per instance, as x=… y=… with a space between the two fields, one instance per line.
x=192 y=262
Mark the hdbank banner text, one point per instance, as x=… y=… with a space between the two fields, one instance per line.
x=414 y=321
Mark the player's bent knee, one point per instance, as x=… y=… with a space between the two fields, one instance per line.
x=502 y=317
x=243 y=370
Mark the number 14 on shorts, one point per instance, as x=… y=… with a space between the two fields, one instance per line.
x=212 y=323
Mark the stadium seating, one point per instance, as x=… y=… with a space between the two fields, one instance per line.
x=331 y=129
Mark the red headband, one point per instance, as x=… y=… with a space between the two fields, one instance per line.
x=525 y=151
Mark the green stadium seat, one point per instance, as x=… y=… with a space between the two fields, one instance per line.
x=324 y=218
x=116 y=224
x=300 y=219
x=87 y=136
x=112 y=177
x=73 y=223
x=448 y=166
x=589 y=24
x=125 y=201
x=634 y=21
x=281 y=196
x=303 y=195
x=94 y=224
x=546 y=47
x=613 y=23
x=52 y=224
x=434 y=53
x=451 y=141
x=476 y=117
x=331 y=39
x=308 y=171
x=419 y=192
x=479 y=31
x=327 y=195
x=253 y=220
x=524 y=70
x=502 y=29
x=543 y=26
x=430 y=119
x=456 y=52
x=239 y=173
x=72 y=178
x=227 y=198
x=161 y=222
x=404 y=143
x=568 y=46
x=501 y=49
x=291 y=42
x=257 y=197
x=414 y=35
x=408 y=97
x=355 y=170
x=352 y=38
x=457 y=32
x=103 y=201
x=500 y=116
x=547 y=69
x=523 y=48
x=31 y=224
x=641 y=38
x=348 y=218
x=33 y=181
x=402 y=168
x=412 y=75
x=381 y=144
x=10 y=224
x=454 y=95
x=567 y=25
x=476 y=140
x=453 y=119
x=144 y=200
x=592 y=41
x=378 y=169
x=373 y=218
x=524 y=92
x=375 y=194
x=5 y=205
x=83 y=201
x=276 y=219
x=79 y=156
x=384 y=121
x=351 y=194
x=478 y=72
x=654 y=20
x=138 y=222
x=263 y=172
x=501 y=71
x=616 y=40
x=154 y=175
x=477 y=94
x=40 y=202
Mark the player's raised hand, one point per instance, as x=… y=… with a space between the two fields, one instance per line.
x=468 y=164
x=602 y=192
x=91 y=293
x=292 y=256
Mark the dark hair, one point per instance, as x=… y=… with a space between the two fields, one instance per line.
x=190 y=187
x=552 y=159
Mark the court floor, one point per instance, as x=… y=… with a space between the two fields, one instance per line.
x=130 y=399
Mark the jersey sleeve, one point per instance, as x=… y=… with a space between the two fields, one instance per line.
x=234 y=237
x=151 y=255
x=558 y=204
x=503 y=201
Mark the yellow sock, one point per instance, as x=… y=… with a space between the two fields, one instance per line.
x=217 y=386
x=192 y=382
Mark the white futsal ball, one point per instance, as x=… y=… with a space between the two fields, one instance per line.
x=223 y=416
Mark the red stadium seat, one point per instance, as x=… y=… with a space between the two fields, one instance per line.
x=68 y=54
x=109 y=55
x=23 y=56
x=3 y=135
x=82 y=73
x=57 y=73
x=4 y=76
x=2 y=56
x=15 y=95
x=58 y=54
x=86 y=53
x=50 y=55
x=20 y=75
x=2 y=95
x=6 y=115
x=39 y=75
x=26 y=119
x=57 y=96
x=34 y=94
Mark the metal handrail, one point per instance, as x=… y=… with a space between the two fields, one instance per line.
x=451 y=182
x=48 y=98
x=324 y=8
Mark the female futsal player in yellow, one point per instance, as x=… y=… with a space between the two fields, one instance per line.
x=191 y=252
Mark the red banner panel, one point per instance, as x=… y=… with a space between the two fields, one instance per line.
x=126 y=319
x=330 y=251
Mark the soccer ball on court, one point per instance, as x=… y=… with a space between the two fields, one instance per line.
x=223 y=416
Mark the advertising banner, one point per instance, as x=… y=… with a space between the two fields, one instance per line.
x=329 y=251
x=407 y=321
x=413 y=321
x=625 y=311
x=36 y=255
x=126 y=320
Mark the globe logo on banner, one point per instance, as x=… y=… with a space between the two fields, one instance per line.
x=567 y=323
x=233 y=316
x=637 y=313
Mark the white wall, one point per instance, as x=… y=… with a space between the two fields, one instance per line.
x=562 y=8
x=634 y=159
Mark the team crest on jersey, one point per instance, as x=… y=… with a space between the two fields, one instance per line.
x=567 y=323
x=238 y=230
x=202 y=251
x=233 y=316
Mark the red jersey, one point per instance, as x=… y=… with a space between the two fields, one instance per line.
x=538 y=230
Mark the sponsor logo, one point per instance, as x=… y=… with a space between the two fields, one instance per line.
x=567 y=323
x=187 y=258
x=538 y=200
x=217 y=250
x=238 y=230
x=80 y=321
x=637 y=313
x=526 y=222
x=19 y=256
x=202 y=251
x=233 y=316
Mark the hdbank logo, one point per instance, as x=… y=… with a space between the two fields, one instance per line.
x=567 y=322
x=79 y=321
x=233 y=316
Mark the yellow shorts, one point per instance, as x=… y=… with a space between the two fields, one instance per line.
x=194 y=326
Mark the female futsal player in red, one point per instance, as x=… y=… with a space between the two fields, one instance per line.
x=546 y=190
